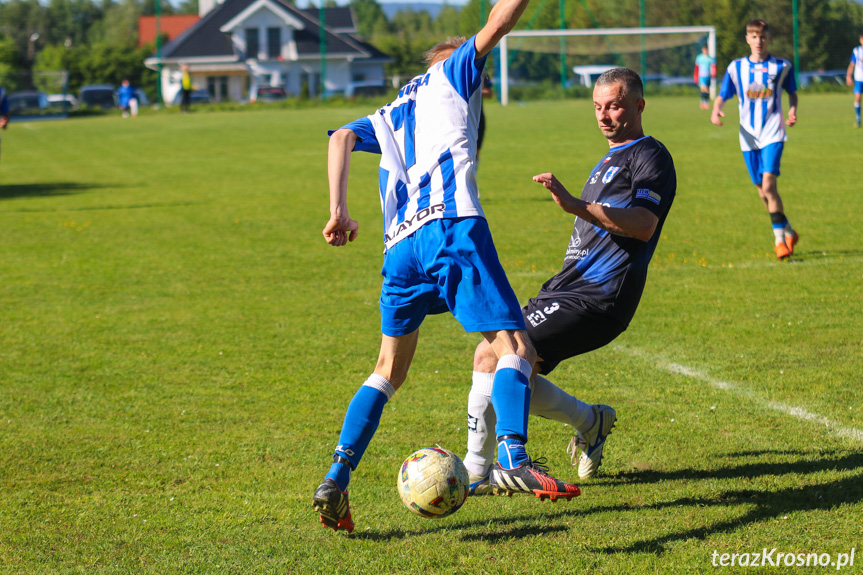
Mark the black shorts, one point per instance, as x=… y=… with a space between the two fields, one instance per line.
x=565 y=327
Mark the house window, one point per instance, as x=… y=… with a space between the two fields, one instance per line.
x=217 y=86
x=274 y=43
x=253 y=44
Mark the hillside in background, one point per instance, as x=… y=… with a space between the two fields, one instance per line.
x=433 y=8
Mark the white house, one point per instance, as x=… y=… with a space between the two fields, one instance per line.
x=242 y=43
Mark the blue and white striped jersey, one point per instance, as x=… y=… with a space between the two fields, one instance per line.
x=427 y=141
x=758 y=86
x=857 y=60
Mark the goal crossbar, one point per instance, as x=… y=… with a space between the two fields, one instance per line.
x=504 y=43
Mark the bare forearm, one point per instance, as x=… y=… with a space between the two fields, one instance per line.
x=501 y=20
x=338 y=167
x=638 y=223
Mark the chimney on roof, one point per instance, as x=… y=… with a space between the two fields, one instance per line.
x=205 y=6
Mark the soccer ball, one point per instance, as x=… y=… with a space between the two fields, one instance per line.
x=433 y=482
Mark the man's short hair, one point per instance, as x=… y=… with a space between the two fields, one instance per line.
x=631 y=81
x=448 y=45
x=757 y=25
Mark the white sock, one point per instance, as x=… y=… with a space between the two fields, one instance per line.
x=779 y=235
x=481 y=418
x=551 y=402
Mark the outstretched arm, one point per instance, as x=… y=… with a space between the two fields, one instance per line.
x=340 y=228
x=501 y=20
x=637 y=222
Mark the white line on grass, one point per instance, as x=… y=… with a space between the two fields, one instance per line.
x=737 y=389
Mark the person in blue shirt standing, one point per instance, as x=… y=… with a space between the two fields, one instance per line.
x=4 y=109
x=128 y=99
x=705 y=72
x=855 y=78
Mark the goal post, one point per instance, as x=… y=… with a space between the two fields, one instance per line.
x=601 y=41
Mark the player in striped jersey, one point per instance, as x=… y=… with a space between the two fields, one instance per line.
x=855 y=77
x=758 y=81
x=439 y=256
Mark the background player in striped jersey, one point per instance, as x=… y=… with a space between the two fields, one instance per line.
x=758 y=81
x=855 y=77
x=591 y=301
x=439 y=256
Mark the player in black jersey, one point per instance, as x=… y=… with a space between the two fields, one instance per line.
x=618 y=222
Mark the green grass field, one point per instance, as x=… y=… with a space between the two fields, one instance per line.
x=179 y=346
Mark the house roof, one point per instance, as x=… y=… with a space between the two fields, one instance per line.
x=205 y=39
x=171 y=26
x=340 y=19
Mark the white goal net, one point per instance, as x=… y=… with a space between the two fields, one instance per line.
x=575 y=57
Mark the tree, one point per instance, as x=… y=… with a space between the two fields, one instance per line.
x=9 y=64
x=371 y=21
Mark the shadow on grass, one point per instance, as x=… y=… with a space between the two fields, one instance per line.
x=765 y=505
x=849 y=462
x=826 y=254
x=41 y=190
x=512 y=532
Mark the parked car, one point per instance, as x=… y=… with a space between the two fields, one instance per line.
x=264 y=94
x=64 y=102
x=196 y=97
x=143 y=100
x=364 y=89
x=98 y=96
x=27 y=102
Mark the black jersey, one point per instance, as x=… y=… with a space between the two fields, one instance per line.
x=605 y=271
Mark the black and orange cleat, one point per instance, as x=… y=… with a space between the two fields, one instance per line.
x=332 y=504
x=531 y=477
x=782 y=251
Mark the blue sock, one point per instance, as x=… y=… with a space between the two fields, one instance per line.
x=341 y=474
x=510 y=397
x=361 y=422
x=857 y=111
x=511 y=453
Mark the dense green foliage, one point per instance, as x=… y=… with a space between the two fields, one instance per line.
x=96 y=41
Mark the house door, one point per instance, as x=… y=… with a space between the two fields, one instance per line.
x=314 y=84
x=217 y=86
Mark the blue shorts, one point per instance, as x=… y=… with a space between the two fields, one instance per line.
x=447 y=265
x=704 y=82
x=858 y=87
x=765 y=160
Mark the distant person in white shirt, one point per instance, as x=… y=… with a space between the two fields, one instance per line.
x=758 y=81
x=855 y=77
